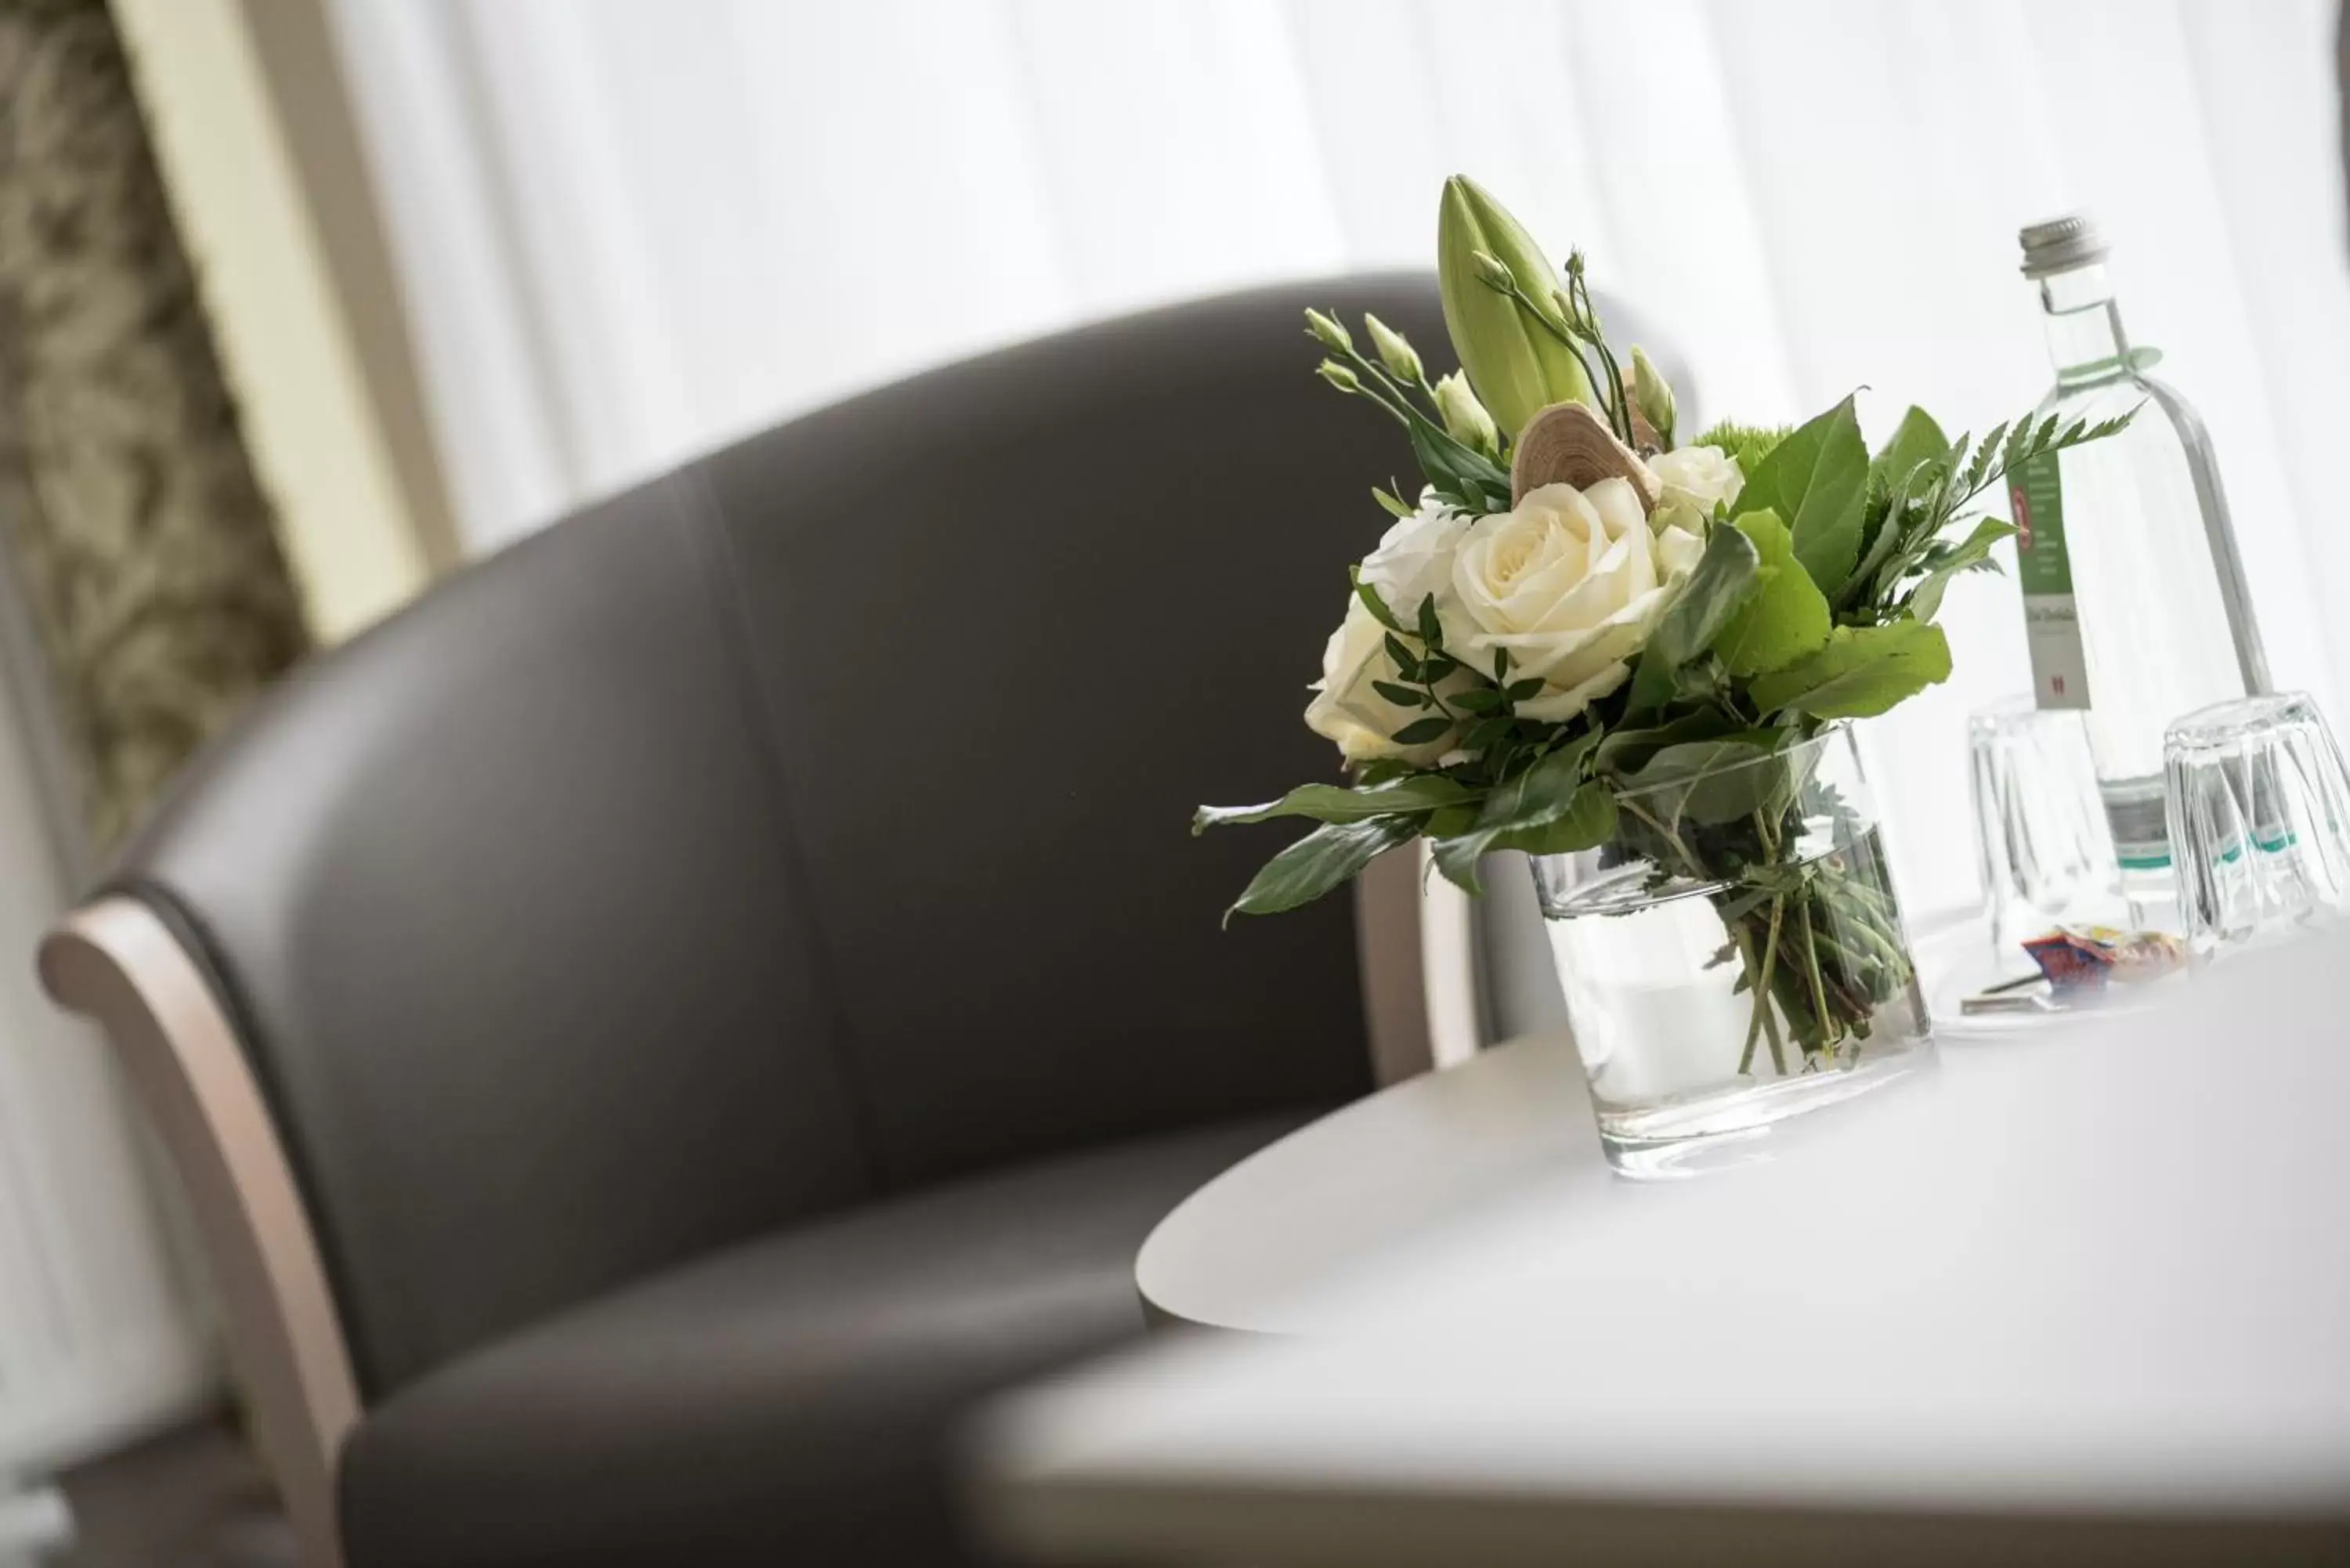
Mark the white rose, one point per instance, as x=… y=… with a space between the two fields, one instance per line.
x=1413 y=561
x=1570 y=582
x=1414 y=557
x=1698 y=476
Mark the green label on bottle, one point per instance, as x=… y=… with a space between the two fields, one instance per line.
x=2051 y=621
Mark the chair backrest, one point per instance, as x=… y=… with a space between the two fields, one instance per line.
x=803 y=826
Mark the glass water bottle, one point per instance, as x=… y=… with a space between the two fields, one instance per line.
x=2134 y=596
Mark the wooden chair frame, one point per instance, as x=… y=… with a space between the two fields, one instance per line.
x=114 y=961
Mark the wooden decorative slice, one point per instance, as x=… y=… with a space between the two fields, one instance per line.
x=1567 y=443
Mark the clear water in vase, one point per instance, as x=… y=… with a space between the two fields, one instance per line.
x=1706 y=1008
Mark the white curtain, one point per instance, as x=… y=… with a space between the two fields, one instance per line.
x=631 y=230
x=102 y=1337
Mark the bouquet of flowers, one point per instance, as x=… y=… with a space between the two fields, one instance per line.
x=1587 y=628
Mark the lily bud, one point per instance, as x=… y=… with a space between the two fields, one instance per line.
x=1326 y=331
x=1339 y=376
x=1516 y=367
x=1395 y=353
x=1652 y=396
x=1465 y=418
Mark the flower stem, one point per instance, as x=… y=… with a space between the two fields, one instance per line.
x=1609 y=390
x=1828 y=1035
x=1579 y=291
x=1761 y=988
x=1688 y=859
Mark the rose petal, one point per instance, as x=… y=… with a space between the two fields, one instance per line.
x=1618 y=504
x=1679 y=551
x=1568 y=582
x=1615 y=578
x=1347 y=709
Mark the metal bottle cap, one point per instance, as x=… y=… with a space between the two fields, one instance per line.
x=2060 y=245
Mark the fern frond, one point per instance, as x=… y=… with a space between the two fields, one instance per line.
x=2024 y=444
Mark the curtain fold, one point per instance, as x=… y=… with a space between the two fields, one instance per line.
x=633 y=232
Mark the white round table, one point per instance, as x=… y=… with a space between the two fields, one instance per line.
x=2074 y=1297
x=2156 y=1176
x=1262 y=1246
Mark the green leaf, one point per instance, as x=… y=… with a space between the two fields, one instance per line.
x=1539 y=798
x=1582 y=817
x=1925 y=600
x=1880 y=524
x=1787 y=617
x=1520 y=691
x=1724 y=577
x=1406 y=663
x=1712 y=781
x=1916 y=439
x=1893 y=531
x=1334 y=803
x=1861 y=672
x=1320 y=861
x=1452 y=819
x=1486 y=731
x=1627 y=752
x=1402 y=696
x=1979 y=468
x=1816 y=480
x=1589 y=821
x=2026 y=437
x=1420 y=732
x=1480 y=700
x=1700 y=680
x=1432 y=630
x=1371 y=600
x=1466 y=477
x=1997 y=456
x=1393 y=504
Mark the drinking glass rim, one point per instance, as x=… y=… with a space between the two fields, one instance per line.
x=2219 y=723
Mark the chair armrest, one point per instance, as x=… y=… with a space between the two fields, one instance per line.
x=115 y=960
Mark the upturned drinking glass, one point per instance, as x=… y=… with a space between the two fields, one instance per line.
x=1734 y=955
x=2259 y=816
x=2041 y=842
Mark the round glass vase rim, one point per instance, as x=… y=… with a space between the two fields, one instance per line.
x=1834 y=750
x=1807 y=750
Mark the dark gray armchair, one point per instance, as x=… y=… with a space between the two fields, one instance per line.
x=657 y=1028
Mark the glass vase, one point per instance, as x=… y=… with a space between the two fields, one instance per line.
x=1734 y=954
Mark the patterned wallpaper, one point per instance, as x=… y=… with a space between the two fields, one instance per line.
x=136 y=529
